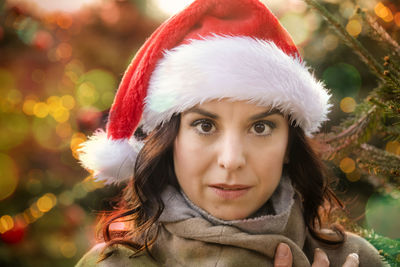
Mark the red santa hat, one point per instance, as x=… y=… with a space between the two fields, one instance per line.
x=213 y=49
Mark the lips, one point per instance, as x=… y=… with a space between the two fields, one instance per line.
x=230 y=191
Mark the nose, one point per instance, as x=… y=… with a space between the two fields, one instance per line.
x=231 y=154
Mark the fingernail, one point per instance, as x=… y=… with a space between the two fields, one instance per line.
x=283 y=250
x=354 y=255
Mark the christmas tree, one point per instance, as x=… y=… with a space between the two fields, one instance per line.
x=351 y=143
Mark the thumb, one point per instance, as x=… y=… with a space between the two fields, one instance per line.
x=283 y=256
x=320 y=258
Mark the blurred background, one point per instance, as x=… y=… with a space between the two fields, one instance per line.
x=60 y=65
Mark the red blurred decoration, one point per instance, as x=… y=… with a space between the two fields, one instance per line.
x=43 y=40
x=89 y=119
x=15 y=235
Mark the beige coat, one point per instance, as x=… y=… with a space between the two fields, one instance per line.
x=196 y=242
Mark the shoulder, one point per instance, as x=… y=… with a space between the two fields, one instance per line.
x=368 y=255
x=121 y=256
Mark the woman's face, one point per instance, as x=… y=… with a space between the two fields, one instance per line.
x=228 y=156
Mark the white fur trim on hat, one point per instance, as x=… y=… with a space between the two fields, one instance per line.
x=238 y=68
x=112 y=160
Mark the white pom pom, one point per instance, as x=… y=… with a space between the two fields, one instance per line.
x=112 y=161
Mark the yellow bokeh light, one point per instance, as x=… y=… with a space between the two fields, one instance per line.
x=354 y=27
x=87 y=94
x=45 y=134
x=28 y=216
x=46 y=202
x=28 y=106
x=6 y=223
x=393 y=147
x=348 y=104
x=35 y=212
x=347 y=165
x=61 y=114
x=353 y=176
x=8 y=176
x=68 y=102
x=41 y=110
x=68 y=249
x=53 y=102
x=383 y=12
x=76 y=140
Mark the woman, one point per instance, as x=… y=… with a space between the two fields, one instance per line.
x=209 y=128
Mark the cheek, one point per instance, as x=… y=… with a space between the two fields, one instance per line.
x=189 y=158
x=269 y=161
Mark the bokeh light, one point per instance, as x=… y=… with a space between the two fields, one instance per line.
x=6 y=223
x=68 y=249
x=353 y=176
x=96 y=88
x=354 y=27
x=344 y=79
x=348 y=104
x=383 y=12
x=41 y=110
x=45 y=134
x=347 y=165
x=46 y=202
x=76 y=140
x=8 y=176
x=330 y=42
x=346 y=8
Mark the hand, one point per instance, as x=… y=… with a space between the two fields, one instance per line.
x=284 y=258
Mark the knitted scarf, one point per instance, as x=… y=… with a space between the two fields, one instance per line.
x=271 y=218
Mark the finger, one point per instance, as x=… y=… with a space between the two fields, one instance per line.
x=351 y=260
x=283 y=256
x=320 y=258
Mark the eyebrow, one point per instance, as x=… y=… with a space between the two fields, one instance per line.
x=215 y=116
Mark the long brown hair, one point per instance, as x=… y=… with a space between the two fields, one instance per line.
x=140 y=203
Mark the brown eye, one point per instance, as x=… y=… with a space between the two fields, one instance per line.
x=206 y=127
x=259 y=128
x=262 y=128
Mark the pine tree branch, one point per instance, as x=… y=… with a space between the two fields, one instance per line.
x=354 y=43
x=354 y=128
x=379 y=161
